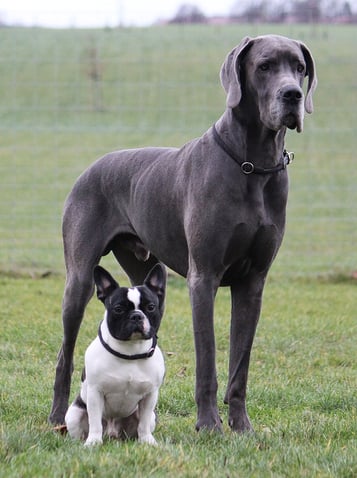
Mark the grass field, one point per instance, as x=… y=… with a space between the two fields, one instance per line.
x=70 y=96
x=301 y=399
x=67 y=97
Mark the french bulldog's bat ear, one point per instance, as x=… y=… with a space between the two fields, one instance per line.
x=104 y=282
x=156 y=281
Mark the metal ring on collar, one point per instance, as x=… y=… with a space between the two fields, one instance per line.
x=247 y=167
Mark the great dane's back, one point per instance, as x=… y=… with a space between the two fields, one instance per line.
x=213 y=211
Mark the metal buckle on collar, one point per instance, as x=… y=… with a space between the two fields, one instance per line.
x=247 y=167
x=288 y=157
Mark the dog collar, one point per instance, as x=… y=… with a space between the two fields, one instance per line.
x=145 y=355
x=246 y=166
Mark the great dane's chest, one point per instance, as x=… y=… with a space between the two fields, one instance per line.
x=262 y=205
x=258 y=231
x=250 y=231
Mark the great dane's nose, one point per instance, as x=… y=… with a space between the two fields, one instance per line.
x=291 y=94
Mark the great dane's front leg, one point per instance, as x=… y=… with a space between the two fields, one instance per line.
x=202 y=295
x=246 y=306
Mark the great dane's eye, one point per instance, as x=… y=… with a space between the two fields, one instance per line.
x=300 y=68
x=151 y=307
x=264 y=66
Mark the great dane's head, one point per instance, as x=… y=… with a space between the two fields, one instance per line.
x=263 y=77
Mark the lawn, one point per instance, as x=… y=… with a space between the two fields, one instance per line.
x=69 y=96
x=301 y=399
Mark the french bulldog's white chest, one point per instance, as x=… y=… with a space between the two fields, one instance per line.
x=122 y=383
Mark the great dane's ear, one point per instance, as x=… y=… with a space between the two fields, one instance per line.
x=311 y=73
x=230 y=72
x=104 y=282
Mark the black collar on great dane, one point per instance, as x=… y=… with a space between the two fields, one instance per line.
x=246 y=166
x=145 y=355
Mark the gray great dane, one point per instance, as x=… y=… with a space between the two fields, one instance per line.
x=213 y=211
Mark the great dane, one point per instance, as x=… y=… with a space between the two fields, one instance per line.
x=213 y=211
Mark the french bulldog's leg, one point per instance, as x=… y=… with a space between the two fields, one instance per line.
x=130 y=425
x=76 y=420
x=147 y=418
x=113 y=428
x=95 y=407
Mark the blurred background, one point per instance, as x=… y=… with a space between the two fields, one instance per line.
x=114 y=13
x=79 y=79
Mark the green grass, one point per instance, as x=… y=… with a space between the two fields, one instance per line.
x=160 y=86
x=301 y=399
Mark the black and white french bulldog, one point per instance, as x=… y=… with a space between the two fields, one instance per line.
x=124 y=367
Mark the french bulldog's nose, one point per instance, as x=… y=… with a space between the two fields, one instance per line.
x=136 y=317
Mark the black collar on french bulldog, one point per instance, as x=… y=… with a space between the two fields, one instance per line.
x=145 y=355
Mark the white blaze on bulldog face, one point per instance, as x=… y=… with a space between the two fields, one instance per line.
x=134 y=297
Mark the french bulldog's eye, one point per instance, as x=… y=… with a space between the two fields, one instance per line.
x=151 y=307
x=118 y=309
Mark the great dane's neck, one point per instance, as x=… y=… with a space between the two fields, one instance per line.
x=251 y=140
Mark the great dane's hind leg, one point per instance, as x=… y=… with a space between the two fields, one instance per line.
x=78 y=291
x=246 y=306
x=85 y=236
x=202 y=295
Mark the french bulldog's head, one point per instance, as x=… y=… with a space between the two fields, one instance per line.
x=132 y=313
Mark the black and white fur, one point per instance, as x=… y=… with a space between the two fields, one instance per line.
x=118 y=395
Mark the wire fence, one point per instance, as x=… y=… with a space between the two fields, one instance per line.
x=69 y=96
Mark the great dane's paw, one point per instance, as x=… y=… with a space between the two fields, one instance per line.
x=240 y=424
x=149 y=439
x=92 y=441
x=213 y=424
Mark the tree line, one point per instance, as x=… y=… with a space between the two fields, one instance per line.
x=279 y=11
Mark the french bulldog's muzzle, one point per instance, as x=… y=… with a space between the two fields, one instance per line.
x=140 y=325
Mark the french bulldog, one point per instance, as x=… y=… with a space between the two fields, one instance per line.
x=124 y=367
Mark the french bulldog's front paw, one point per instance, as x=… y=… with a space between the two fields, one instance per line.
x=149 y=439
x=92 y=441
